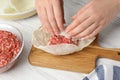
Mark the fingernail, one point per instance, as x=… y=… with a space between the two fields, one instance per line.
x=47 y=32
x=57 y=33
x=82 y=39
x=68 y=36
x=74 y=39
x=61 y=29
x=67 y=31
x=52 y=33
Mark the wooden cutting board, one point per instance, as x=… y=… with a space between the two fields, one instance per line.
x=83 y=61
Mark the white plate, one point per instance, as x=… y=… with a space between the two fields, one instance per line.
x=19 y=15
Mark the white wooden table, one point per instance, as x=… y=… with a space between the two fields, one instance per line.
x=109 y=37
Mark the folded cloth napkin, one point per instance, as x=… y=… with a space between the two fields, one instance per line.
x=106 y=70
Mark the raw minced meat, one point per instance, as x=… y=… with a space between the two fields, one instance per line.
x=9 y=47
x=59 y=39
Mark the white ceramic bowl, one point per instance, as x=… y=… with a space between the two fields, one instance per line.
x=15 y=31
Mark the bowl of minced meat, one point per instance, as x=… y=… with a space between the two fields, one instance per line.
x=11 y=46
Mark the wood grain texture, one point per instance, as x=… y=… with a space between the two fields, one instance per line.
x=83 y=61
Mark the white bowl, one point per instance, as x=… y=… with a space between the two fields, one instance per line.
x=15 y=31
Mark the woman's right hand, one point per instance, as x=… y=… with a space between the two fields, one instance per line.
x=51 y=15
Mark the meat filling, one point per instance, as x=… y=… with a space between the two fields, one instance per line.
x=59 y=39
x=9 y=47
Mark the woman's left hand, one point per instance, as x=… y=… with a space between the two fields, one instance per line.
x=92 y=18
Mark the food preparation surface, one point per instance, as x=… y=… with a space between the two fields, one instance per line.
x=30 y=72
x=82 y=61
x=109 y=37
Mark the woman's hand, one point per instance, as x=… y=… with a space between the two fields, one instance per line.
x=92 y=18
x=51 y=15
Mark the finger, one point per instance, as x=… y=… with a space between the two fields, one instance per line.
x=62 y=8
x=58 y=12
x=38 y=8
x=82 y=10
x=80 y=28
x=91 y=28
x=77 y=21
x=86 y=32
x=94 y=33
x=102 y=24
x=51 y=17
x=44 y=19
